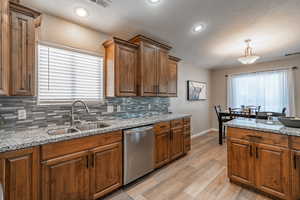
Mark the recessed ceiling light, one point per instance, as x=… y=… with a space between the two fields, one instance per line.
x=154 y=1
x=81 y=12
x=198 y=28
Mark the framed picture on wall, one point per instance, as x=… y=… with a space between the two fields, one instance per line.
x=196 y=91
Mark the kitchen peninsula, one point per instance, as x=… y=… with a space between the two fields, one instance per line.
x=264 y=155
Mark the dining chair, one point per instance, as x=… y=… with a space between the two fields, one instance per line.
x=265 y=115
x=221 y=119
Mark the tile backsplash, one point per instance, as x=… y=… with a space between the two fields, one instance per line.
x=52 y=115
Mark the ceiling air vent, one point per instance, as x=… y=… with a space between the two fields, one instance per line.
x=103 y=3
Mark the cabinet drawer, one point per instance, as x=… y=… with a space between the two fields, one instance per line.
x=295 y=142
x=162 y=127
x=187 y=121
x=53 y=150
x=259 y=137
x=177 y=123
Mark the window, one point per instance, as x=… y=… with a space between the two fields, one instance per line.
x=272 y=90
x=65 y=75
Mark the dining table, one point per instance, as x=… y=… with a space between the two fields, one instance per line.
x=230 y=115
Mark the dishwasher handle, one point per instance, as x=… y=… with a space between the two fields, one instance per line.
x=138 y=130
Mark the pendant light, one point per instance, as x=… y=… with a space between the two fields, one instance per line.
x=249 y=57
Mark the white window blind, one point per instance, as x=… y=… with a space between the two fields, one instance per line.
x=272 y=90
x=65 y=75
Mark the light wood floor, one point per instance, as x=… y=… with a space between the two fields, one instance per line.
x=201 y=175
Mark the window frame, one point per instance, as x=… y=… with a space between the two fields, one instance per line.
x=68 y=48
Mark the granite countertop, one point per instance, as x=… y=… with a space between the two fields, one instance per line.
x=12 y=140
x=263 y=125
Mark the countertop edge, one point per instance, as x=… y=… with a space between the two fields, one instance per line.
x=90 y=133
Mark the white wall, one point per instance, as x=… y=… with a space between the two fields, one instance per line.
x=199 y=109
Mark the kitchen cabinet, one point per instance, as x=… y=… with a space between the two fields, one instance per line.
x=106 y=169
x=162 y=143
x=66 y=177
x=260 y=160
x=187 y=134
x=272 y=170
x=4 y=47
x=120 y=66
x=177 y=139
x=295 y=174
x=172 y=76
x=23 y=24
x=84 y=168
x=241 y=161
x=153 y=68
x=19 y=174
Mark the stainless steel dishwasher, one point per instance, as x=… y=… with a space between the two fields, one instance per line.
x=138 y=153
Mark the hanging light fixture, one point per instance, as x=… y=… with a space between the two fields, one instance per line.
x=249 y=57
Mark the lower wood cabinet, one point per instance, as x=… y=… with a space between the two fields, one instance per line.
x=66 y=177
x=170 y=141
x=90 y=173
x=240 y=161
x=262 y=163
x=295 y=174
x=106 y=169
x=19 y=174
x=162 y=153
x=272 y=170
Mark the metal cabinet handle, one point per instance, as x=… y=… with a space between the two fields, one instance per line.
x=257 y=154
x=295 y=161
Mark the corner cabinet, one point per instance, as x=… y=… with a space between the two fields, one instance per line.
x=120 y=67
x=19 y=174
x=4 y=47
x=260 y=160
x=23 y=24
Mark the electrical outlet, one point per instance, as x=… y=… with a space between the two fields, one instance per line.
x=110 y=109
x=22 y=114
x=119 y=108
x=149 y=106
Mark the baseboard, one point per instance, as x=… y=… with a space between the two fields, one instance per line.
x=204 y=132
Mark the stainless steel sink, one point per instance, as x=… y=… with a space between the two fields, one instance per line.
x=78 y=128
x=60 y=131
x=92 y=125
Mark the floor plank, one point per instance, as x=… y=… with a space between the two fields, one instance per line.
x=201 y=175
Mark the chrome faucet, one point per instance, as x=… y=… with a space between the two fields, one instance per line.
x=72 y=111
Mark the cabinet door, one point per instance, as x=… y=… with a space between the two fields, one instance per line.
x=148 y=70
x=296 y=174
x=19 y=174
x=162 y=148
x=177 y=143
x=4 y=47
x=23 y=54
x=163 y=72
x=66 y=177
x=106 y=169
x=172 y=81
x=240 y=161
x=187 y=138
x=126 y=71
x=272 y=170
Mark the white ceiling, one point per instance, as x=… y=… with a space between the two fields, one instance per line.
x=273 y=25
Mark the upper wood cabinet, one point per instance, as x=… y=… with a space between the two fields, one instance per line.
x=4 y=47
x=163 y=73
x=23 y=24
x=19 y=174
x=172 y=76
x=120 y=66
